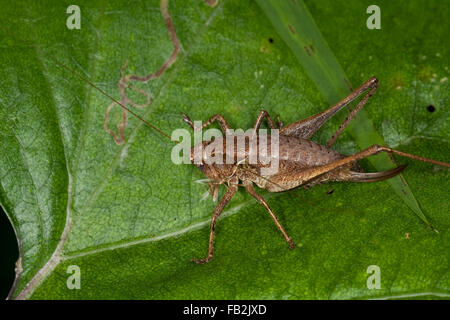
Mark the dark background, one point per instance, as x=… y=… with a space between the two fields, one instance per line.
x=8 y=254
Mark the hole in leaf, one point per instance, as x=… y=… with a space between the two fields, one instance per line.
x=271 y=40
x=8 y=256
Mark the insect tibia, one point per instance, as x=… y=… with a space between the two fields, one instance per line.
x=412 y=156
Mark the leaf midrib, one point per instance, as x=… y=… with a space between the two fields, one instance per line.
x=98 y=189
x=55 y=258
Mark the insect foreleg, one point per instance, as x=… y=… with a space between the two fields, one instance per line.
x=249 y=187
x=231 y=190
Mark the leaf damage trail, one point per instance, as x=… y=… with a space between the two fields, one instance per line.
x=123 y=83
x=57 y=257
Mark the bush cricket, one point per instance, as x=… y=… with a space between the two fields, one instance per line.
x=302 y=161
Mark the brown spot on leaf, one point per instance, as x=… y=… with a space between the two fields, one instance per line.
x=396 y=81
x=307 y=51
x=212 y=3
x=291 y=29
x=124 y=83
x=425 y=73
x=349 y=86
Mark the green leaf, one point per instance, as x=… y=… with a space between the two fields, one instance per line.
x=131 y=220
x=297 y=28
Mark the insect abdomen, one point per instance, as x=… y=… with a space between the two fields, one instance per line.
x=305 y=152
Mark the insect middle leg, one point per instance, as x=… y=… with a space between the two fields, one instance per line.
x=217 y=117
x=249 y=187
x=264 y=114
x=232 y=188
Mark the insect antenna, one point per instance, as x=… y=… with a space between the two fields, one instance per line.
x=78 y=75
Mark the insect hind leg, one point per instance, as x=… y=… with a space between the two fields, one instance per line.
x=305 y=176
x=412 y=156
x=249 y=187
x=307 y=127
x=352 y=115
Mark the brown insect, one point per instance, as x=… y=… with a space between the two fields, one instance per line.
x=302 y=162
